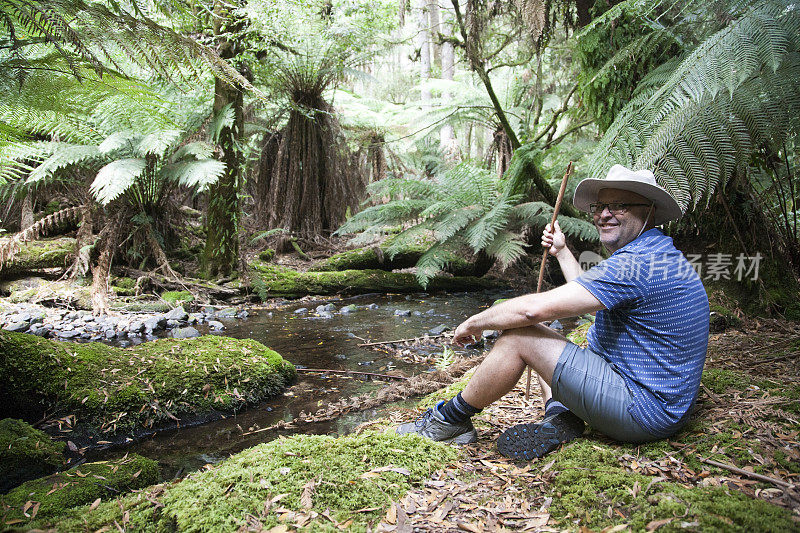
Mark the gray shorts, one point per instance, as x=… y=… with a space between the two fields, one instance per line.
x=593 y=389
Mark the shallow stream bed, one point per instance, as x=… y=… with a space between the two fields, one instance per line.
x=314 y=342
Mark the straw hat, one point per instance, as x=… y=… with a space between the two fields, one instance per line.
x=640 y=181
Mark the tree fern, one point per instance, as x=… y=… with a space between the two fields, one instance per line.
x=697 y=121
x=465 y=207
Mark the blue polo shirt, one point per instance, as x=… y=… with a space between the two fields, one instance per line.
x=654 y=329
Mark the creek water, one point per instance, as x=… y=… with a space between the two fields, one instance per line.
x=310 y=341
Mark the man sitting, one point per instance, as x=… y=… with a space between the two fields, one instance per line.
x=640 y=374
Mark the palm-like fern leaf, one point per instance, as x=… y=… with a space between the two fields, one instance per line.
x=697 y=122
x=115 y=178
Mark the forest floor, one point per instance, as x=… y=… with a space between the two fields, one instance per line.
x=746 y=420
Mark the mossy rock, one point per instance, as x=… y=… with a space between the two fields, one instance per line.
x=25 y=453
x=272 y=280
x=722 y=318
x=140 y=304
x=40 y=254
x=40 y=290
x=299 y=475
x=113 y=390
x=378 y=258
x=266 y=255
x=56 y=494
x=177 y=297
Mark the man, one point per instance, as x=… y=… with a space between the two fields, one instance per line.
x=640 y=374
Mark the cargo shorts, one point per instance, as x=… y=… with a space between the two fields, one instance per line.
x=594 y=390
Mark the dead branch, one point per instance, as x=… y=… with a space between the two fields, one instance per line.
x=353 y=372
x=9 y=249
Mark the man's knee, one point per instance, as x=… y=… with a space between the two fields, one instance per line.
x=537 y=345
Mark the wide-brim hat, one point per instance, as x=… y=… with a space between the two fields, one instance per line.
x=640 y=181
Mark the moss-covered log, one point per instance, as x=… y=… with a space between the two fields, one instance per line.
x=52 y=496
x=98 y=389
x=353 y=479
x=376 y=258
x=271 y=281
x=26 y=453
x=40 y=254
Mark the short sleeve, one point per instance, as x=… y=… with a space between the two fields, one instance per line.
x=616 y=282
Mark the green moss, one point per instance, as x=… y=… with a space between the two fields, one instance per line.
x=271 y=280
x=719 y=380
x=25 y=453
x=35 y=289
x=340 y=475
x=125 y=283
x=266 y=255
x=111 y=390
x=82 y=485
x=589 y=479
x=175 y=297
x=39 y=254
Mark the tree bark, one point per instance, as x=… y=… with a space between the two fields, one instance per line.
x=436 y=28
x=26 y=218
x=222 y=220
x=447 y=135
x=424 y=43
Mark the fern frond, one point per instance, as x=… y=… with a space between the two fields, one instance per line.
x=197 y=173
x=115 y=178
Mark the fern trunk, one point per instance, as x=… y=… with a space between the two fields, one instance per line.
x=222 y=243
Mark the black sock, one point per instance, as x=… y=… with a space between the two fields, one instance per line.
x=553 y=407
x=457 y=410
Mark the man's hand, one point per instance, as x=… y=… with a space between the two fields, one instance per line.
x=555 y=241
x=466 y=334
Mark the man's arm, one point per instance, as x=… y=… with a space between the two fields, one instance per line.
x=565 y=301
x=556 y=242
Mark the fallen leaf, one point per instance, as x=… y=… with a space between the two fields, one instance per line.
x=308 y=491
x=391 y=515
x=655 y=524
x=95 y=504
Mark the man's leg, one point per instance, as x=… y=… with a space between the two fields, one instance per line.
x=537 y=346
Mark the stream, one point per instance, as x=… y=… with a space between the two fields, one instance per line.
x=310 y=341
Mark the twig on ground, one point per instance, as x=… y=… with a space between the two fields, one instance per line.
x=370 y=374
x=760 y=477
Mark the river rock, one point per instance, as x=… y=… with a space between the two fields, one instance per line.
x=17 y=326
x=184 y=333
x=171 y=324
x=228 y=312
x=325 y=314
x=154 y=323
x=347 y=309
x=301 y=311
x=216 y=325
x=194 y=318
x=372 y=306
x=430 y=312
x=556 y=325
x=242 y=314
x=438 y=330
x=402 y=312
x=179 y=313
x=135 y=327
x=490 y=334
x=70 y=334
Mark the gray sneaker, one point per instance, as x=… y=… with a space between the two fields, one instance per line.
x=431 y=424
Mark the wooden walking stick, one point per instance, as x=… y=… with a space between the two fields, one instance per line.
x=546 y=251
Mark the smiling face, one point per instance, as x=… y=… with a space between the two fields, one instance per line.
x=618 y=230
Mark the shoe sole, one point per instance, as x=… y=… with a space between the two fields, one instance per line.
x=530 y=441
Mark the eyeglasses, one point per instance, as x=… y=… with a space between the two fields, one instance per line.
x=615 y=208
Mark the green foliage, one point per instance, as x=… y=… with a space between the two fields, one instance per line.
x=697 y=121
x=25 y=453
x=113 y=389
x=177 y=297
x=465 y=207
x=300 y=474
x=56 y=494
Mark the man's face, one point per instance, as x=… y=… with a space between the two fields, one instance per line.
x=618 y=230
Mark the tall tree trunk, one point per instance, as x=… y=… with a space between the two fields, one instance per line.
x=101 y=269
x=222 y=219
x=447 y=135
x=424 y=43
x=436 y=28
